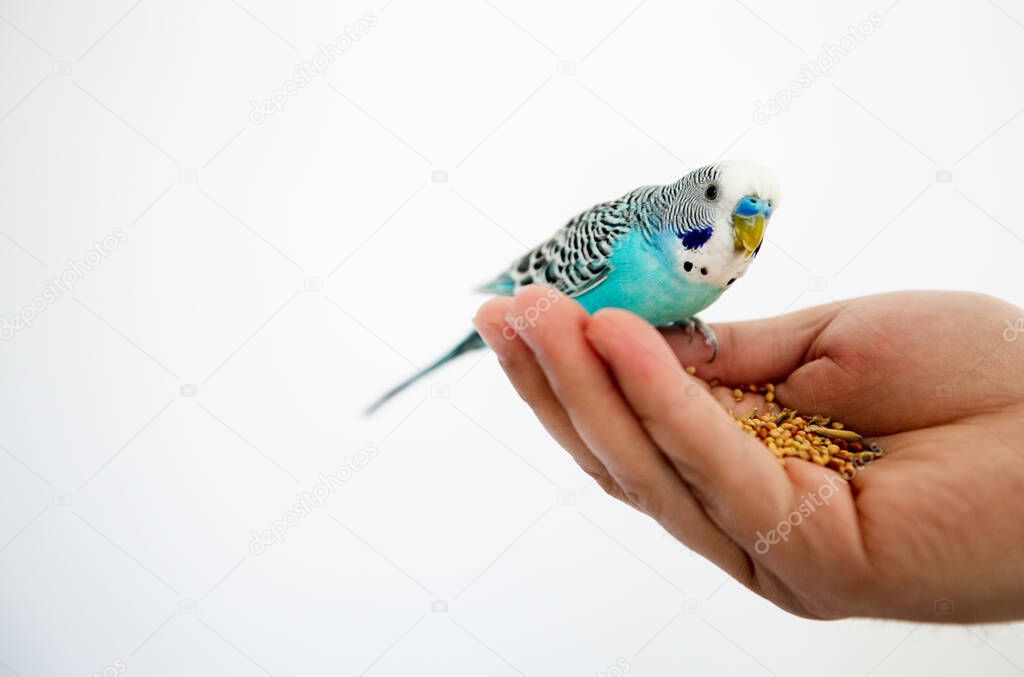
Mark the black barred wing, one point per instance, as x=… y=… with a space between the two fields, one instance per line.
x=576 y=258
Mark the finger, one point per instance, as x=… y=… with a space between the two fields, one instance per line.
x=739 y=483
x=605 y=422
x=757 y=351
x=787 y=351
x=525 y=374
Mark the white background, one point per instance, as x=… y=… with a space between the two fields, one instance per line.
x=126 y=508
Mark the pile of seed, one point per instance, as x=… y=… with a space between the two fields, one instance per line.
x=817 y=439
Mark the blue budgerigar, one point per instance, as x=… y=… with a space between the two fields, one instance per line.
x=663 y=252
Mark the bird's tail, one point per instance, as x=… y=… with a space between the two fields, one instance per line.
x=468 y=344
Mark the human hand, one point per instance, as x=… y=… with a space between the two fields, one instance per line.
x=934 y=531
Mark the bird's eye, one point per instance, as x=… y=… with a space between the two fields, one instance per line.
x=711 y=192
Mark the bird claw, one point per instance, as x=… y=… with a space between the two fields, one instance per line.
x=695 y=324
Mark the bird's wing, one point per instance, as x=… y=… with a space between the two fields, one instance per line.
x=576 y=258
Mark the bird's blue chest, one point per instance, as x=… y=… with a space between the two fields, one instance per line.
x=644 y=281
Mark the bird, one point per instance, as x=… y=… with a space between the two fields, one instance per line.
x=664 y=252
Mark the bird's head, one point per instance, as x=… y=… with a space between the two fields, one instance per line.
x=719 y=214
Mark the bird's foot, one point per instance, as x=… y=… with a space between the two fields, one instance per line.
x=695 y=324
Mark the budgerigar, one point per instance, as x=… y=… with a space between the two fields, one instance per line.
x=663 y=252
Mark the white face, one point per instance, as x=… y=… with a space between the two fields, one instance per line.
x=717 y=262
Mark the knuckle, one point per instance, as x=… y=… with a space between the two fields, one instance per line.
x=607 y=483
x=597 y=472
x=641 y=495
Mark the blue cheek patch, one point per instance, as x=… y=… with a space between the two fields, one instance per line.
x=697 y=238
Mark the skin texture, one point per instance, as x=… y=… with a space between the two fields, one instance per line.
x=932 y=532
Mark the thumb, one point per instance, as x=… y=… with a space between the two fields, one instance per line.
x=756 y=351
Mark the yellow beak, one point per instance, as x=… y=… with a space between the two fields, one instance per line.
x=747 y=232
